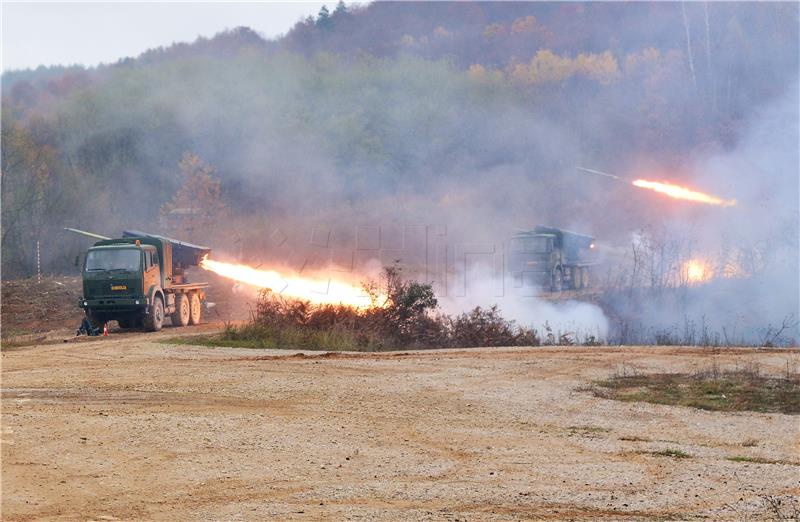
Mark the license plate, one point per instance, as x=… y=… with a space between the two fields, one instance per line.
x=119 y=287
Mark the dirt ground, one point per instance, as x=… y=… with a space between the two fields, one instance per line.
x=30 y=308
x=33 y=311
x=127 y=428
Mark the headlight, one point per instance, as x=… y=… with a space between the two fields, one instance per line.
x=136 y=302
x=85 y=303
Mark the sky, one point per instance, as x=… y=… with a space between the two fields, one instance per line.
x=39 y=33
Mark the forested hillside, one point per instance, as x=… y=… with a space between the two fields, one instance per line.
x=474 y=115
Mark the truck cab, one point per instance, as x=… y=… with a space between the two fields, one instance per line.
x=114 y=278
x=551 y=259
x=532 y=257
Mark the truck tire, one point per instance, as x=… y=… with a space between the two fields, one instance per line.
x=577 y=278
x=584 y=277
x=558 y=281
x=181 y=315
x=195 y=308
x=155 y=319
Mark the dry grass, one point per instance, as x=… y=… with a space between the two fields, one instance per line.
x=738 y=389
x=633 y=438
x=758 y=460
x=671 y=452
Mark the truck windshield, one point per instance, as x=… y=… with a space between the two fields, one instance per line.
x=537 y=245
x=123 y=259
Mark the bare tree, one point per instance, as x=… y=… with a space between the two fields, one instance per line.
x=709 y=70
x=688 y=43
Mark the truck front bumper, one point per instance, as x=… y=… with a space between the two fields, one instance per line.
x=114 y=303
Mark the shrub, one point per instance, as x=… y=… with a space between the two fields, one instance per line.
x=485 y=327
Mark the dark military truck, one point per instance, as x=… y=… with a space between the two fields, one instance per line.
x=140 y=279
x=551 y=258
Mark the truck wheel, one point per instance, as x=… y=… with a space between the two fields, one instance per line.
x=195 y=308
x=558 y=281
x=181 y=315
x=585 y=277
x=155 y=319
x=576 y=278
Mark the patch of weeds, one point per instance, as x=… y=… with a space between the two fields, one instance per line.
x=742 y=458
x=671 y=452
x=197 y=340
x=739 y=389
x=587 y=430
x=634 y=438
x=758 y=460
x=211 y=341
x=259 y=336
x=750 y=443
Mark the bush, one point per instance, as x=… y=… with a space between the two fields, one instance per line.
x=404 y=318
x=485 y=327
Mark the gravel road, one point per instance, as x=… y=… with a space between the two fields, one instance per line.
x=126 y=428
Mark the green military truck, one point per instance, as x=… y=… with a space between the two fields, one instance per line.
x=551 y=258
x=140 y=279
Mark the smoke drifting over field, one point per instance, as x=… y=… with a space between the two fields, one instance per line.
x=422 y=131
x=579 y=320
x=756 y=242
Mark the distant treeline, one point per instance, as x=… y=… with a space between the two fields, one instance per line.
x=442 y=103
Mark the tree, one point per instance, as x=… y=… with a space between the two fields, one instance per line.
x=405 y=312
x=324 y=18
x=689 y=53
x=29 y=194
x=341 y=9
x=197 y=205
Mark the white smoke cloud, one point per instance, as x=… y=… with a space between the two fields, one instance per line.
x=529 y=307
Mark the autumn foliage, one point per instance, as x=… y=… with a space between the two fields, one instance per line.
x=197 y=206
x=358 y=104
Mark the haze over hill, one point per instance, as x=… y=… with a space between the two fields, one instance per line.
x=472 y=116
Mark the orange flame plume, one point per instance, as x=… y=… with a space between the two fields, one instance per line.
x=697 y=271
x=317 y=291
x=678 y=192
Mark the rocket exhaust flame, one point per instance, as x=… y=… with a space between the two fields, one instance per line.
x=678 y=192
x=317 y=291
x=669 y=189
